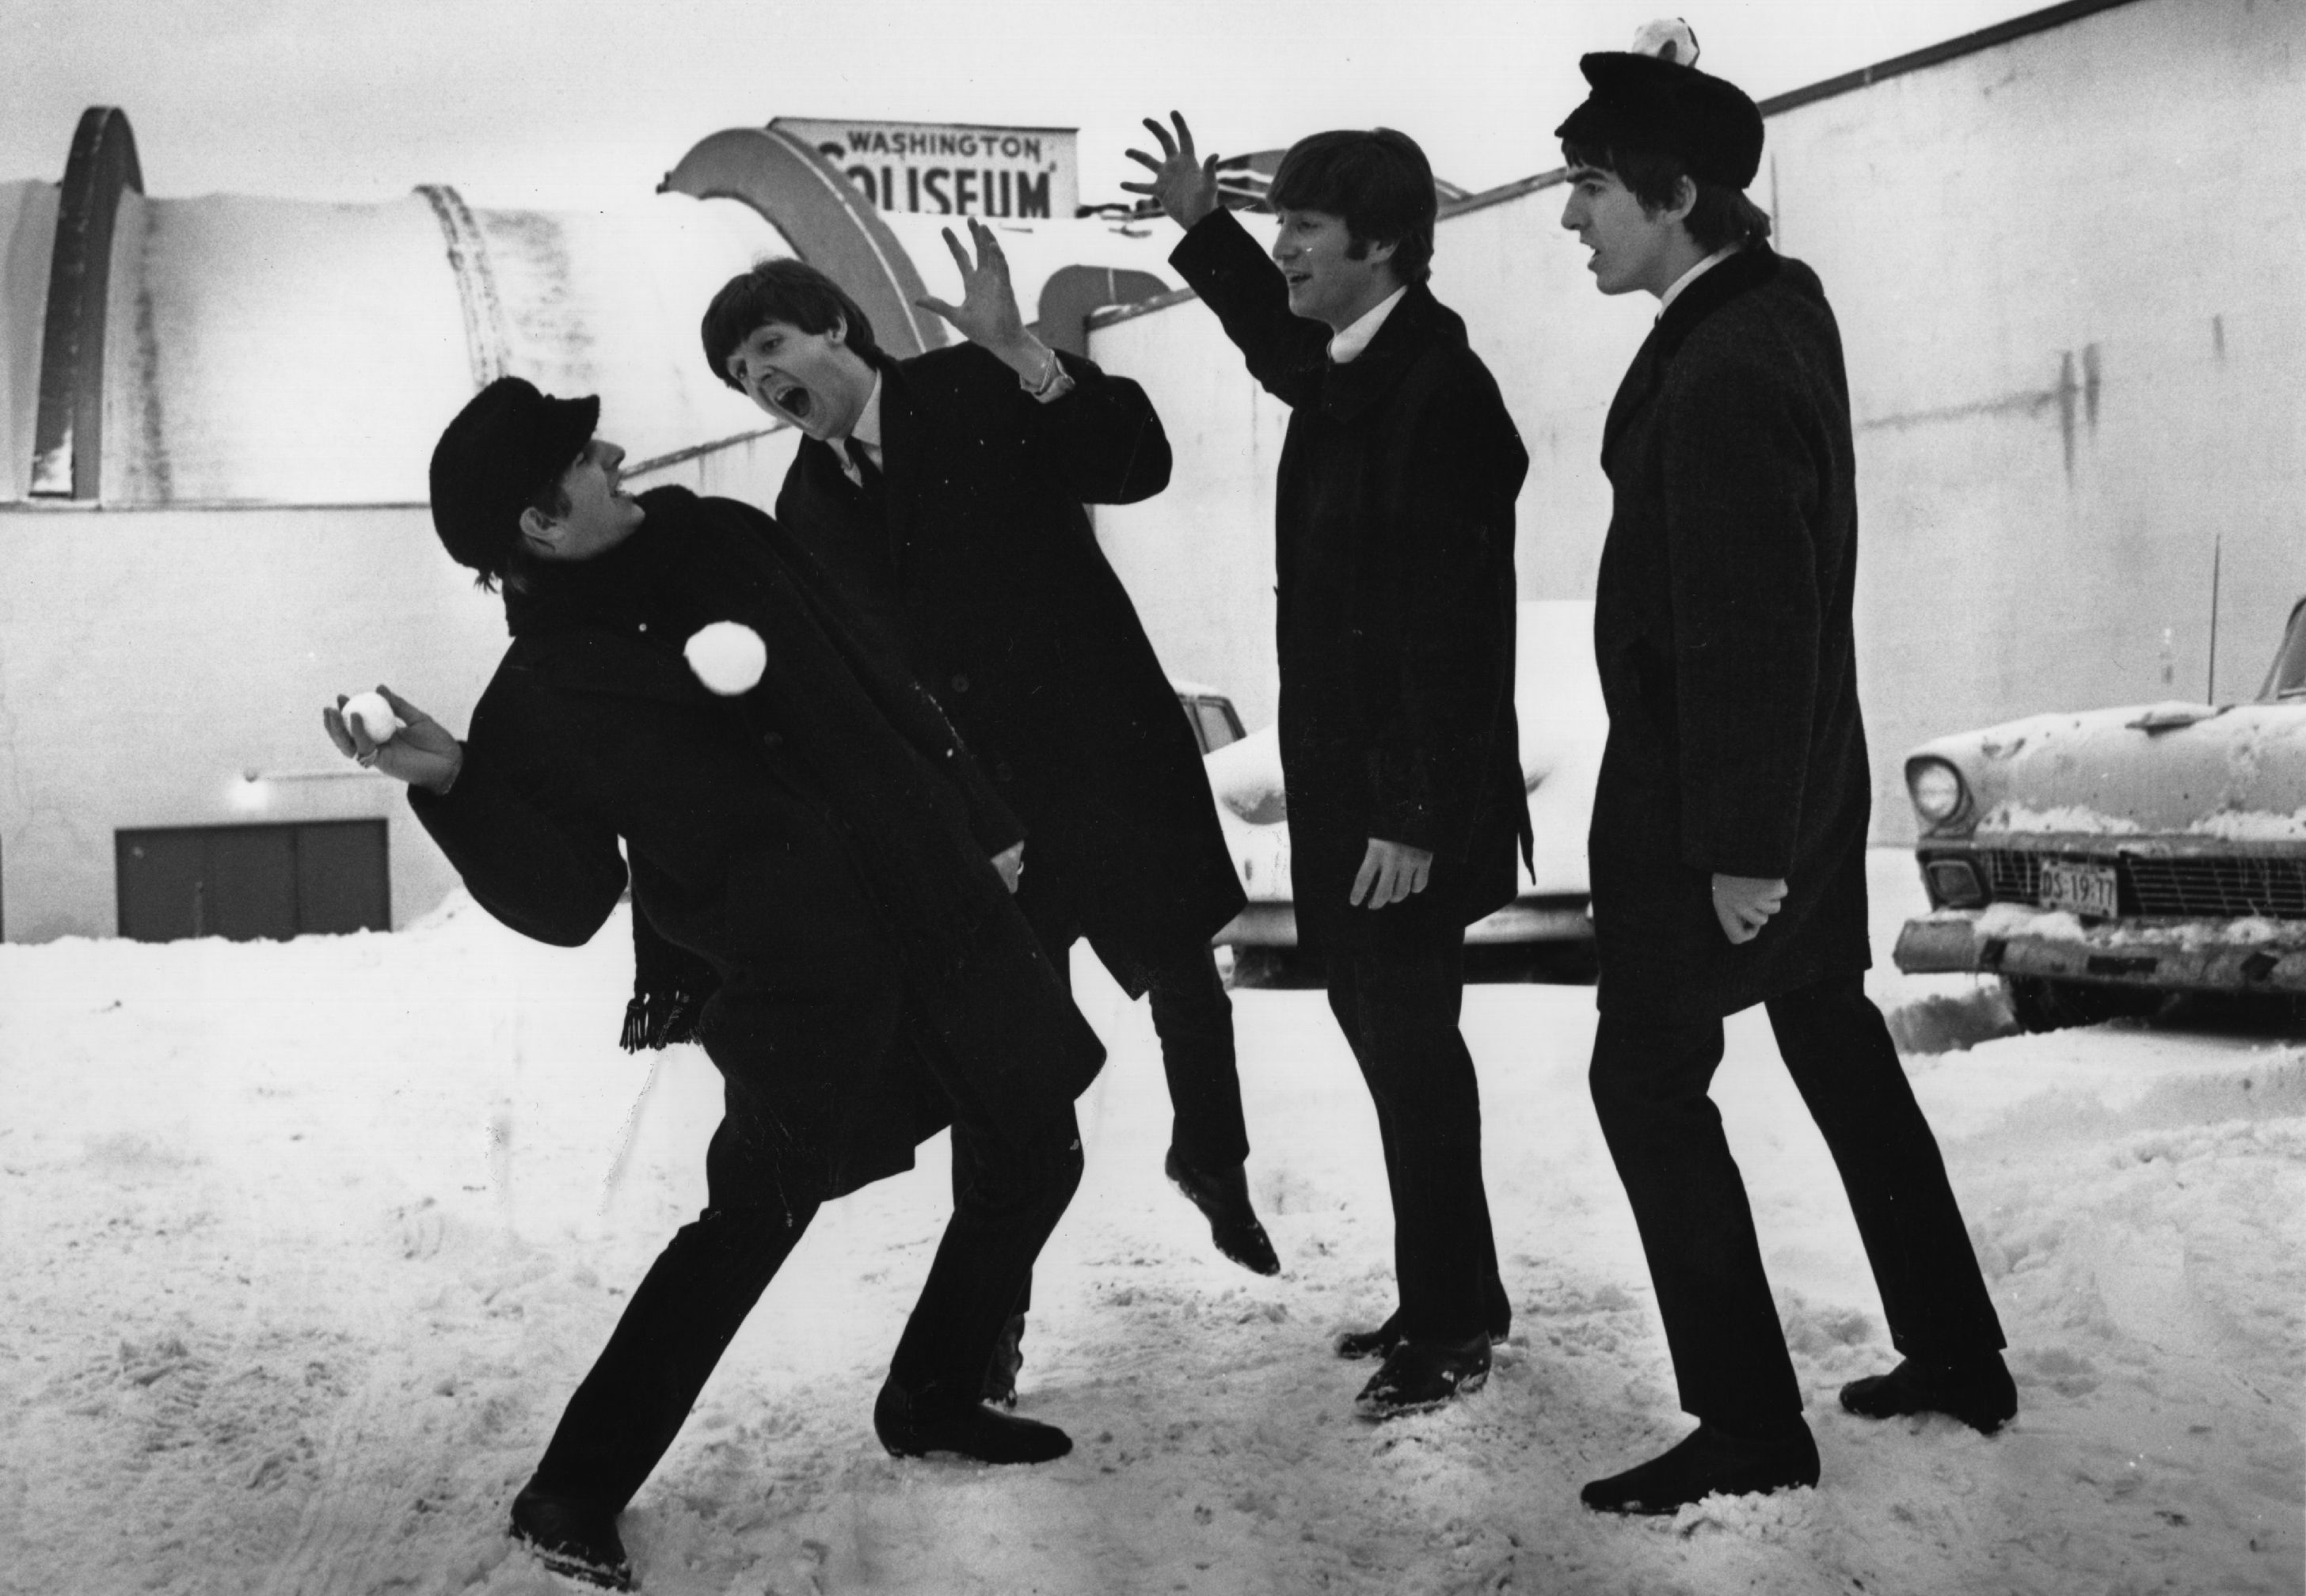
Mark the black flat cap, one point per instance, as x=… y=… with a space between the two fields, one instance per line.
x=504 y=447
x=1642 y=103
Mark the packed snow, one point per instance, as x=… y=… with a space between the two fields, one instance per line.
x=303 y=1245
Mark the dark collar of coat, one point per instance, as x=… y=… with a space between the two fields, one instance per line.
x=1742 y=272
x=597 y=658
x=605 y=624
x=1417 y=323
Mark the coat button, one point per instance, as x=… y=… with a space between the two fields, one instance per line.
x=771 y=739
x=1002 y=773
x=961 y=684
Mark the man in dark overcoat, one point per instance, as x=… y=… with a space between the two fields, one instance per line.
x=1393 y=555
x=1729 y=821
x=945 y=494
x=812 y=830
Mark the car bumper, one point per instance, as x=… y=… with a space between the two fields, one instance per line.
x=2255 y=955
x=1560 y=920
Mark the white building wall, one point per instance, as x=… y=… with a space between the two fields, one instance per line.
x=151 y=659
x=2071 y=274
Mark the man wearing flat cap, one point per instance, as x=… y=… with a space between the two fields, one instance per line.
x=809 y=840
x=1728 y=838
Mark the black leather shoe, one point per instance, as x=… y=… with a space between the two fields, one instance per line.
x=916 y=1423
x=573 y=1540
x=1977 y=1391
x=1380 y=1341
x=1418 y=1376
x=1706 y=1461
x=1008 y=1358
x=1223 y=1198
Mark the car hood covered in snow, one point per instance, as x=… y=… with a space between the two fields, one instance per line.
x=1562 y=726
x=2237 y=774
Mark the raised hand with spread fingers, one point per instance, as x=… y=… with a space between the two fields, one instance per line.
x=1185 y=186
x=987 y=312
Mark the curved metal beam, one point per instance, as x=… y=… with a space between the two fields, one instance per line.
x=828 y=223
x=68 y=436
x=488 y=341
x=1074 y=293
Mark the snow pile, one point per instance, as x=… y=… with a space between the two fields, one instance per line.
x=2065 y=819
x=303 y=1247
x=2252 y=825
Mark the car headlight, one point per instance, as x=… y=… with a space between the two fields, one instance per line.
x=1937 y=789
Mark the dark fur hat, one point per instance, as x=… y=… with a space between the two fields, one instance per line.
x=1641 y=102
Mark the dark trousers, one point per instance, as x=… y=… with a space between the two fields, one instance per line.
x=1193 y=1016
x=763 y=1187
x=1398 y=1002
x=1650 y=1082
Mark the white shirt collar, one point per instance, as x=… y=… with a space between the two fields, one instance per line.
x=867 y=430
x=1356 y=338
x=1692 y=275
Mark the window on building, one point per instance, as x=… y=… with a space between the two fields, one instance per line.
x=246 y=882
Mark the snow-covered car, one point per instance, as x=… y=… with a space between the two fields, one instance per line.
x=1558 y=701
x=1211 y=714
x=2099 y=862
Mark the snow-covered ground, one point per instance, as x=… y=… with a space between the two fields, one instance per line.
x=302 y=1246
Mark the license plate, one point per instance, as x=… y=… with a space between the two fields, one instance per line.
x=2080 y=889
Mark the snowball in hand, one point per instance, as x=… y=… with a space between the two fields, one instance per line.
x=373 y=715
x=728 y=657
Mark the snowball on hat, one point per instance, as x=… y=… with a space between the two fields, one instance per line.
x=1650 y=99
x=728 y=657
x=1669 y=39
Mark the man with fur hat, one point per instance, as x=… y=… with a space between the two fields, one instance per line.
x=1394 y=559
x=808 y=834
x=1728 y=840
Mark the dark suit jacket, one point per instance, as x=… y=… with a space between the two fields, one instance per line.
x=1013 y=620
x=1394 y=554
x=1722 y=625
x=820 y=838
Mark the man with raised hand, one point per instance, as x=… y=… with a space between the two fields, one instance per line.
x=1728 y=840
x=800 y=821
x=945 y=494
x=1393 y=555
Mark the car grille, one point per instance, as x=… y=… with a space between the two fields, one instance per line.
x=2193 y=887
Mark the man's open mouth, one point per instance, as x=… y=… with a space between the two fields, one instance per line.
x=794 y=401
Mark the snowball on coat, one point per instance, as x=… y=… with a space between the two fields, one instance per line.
x=728 y=657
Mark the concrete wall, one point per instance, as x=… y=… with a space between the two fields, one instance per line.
x=2071 y=273
x=151 y=659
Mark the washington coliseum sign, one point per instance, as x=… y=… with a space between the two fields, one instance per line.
x=952 y=169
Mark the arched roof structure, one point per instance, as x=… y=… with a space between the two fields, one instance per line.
x=235 y=350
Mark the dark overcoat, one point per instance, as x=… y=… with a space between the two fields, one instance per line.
x=812 y=834
x=1722 y=625
x=1394 y=560
x=1013 y=620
